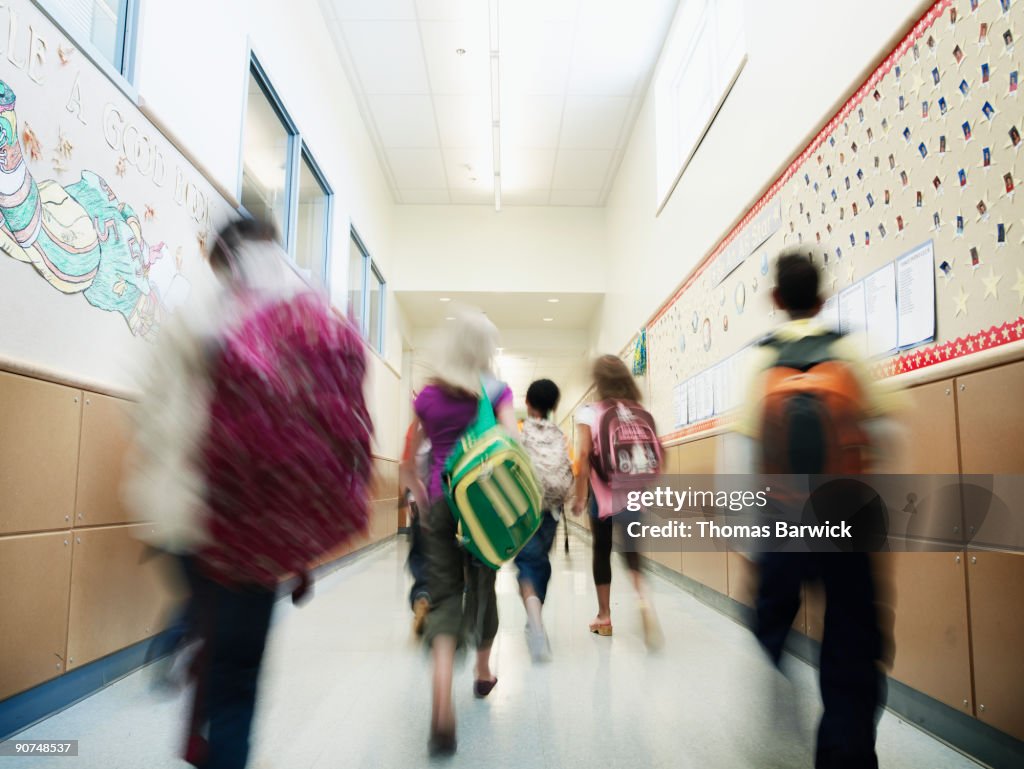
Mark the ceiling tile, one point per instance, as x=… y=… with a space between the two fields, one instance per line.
x=581 y=169
x=425 y=197
x=404 y=121
x=466 y=165
x=452 y=10
x=531 y=122
x=463 y=121
x=373 y=9
x=538 y=11
x=527 y=169
x=524 y=197
x=535 y=57
x=594 y=122
x=575 y=197
x=388 y=56
x=484 y=196
x=451 y=73
x=417 y=168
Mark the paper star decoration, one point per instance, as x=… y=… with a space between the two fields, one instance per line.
x=849 y=274
x=991 y=282
x=961 y=303
x=1019 y=287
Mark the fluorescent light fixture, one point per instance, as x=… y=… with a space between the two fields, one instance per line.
x=446 y=299
x=548 y=320
x=554 y=300
x=450 y=317
x=495 y=100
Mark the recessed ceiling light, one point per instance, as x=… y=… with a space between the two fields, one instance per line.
x=548 y=320
x=553 y=300
x=446 y=298
x=460 y=51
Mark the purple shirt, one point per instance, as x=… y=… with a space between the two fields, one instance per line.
x=445 y=418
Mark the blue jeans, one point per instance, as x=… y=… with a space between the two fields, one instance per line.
x=533 y=562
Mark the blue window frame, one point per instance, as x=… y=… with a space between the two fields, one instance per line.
x=280 y=180
x=104 y=30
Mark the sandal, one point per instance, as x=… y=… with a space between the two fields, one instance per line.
x=601 y=627
x=482 y=688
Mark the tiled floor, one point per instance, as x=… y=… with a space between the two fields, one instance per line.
x=344 y=686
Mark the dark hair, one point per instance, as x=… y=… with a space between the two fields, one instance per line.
x=613 y=380
x=543 y=395
x=223 y=252
x=796 y=281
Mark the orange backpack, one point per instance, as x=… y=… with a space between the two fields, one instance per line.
x=812 y=411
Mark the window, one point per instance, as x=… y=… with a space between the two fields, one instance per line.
x=703 y=57
x=266 y=156
x=357 y=259
x=366 y=295
x=105 y=29
x=375 y=310
x=281 y=181
x=311 y=230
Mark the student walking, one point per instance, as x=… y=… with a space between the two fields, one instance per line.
x=548 y=450
x=603 y=463
x=812 y=409
x=461 y=588
x=268 y=468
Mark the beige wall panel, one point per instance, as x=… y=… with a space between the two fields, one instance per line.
x=991 y=420
x=697 y=457
x=996 y=584
x=384 y=519
x=708 y=568
x=35 y=571
x=39 y=425
x=672 y=559
x=930 y=426
x=930 y=638
x=120 y=592
x=106 y=432
x=742 y=578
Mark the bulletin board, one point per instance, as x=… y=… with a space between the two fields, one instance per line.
x=909 y=195
x=103 y=222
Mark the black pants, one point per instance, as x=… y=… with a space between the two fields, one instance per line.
x=417 y=561
x=234 y=623
x=852 y=684
x=602 y=533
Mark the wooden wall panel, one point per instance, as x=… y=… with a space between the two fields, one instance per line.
x=930 y=634
x=121 y=592
x=106 y=433
x=930 y=426
x=996 y=584
x=991 y=418
x=39 y=425
x=742 y=578
x=697 y=457
x=35 y=571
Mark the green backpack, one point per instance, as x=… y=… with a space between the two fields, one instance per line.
x=492 y=489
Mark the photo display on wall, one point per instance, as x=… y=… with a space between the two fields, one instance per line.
x=907 y=196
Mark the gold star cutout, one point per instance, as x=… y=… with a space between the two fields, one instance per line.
x=991 y=282
x=961 y=303
x=1019 y=287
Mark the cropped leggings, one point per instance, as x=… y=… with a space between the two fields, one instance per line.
x=602 y=531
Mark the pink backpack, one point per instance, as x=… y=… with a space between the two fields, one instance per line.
x=287 y=452
x=626 y=455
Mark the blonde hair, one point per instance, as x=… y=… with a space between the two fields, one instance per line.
x=466 y=353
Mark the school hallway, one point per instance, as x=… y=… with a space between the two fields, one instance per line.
x=345 y=686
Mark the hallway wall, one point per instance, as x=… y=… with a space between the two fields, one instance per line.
x=795 y=81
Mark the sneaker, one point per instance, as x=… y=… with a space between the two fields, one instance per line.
x=540 y=647
x=420 y=609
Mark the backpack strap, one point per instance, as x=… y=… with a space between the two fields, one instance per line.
x=802 y=354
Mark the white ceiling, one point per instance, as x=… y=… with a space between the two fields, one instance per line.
x=573 y=76
x=508 y=311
